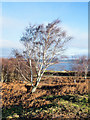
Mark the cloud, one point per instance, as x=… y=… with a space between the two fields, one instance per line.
x=10 y=44
x=13 y=23
x=80 y=38
x=76 y=51
x=79 y=44
x=12 y=30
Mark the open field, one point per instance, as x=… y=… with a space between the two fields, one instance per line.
x=56 y=97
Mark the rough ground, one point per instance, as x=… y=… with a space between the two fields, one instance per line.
x=55 y=97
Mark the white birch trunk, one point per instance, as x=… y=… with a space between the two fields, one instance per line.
x=37 y=83
x=31 y=72
x=85 y=74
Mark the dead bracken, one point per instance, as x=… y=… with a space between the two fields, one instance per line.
x=51 y=99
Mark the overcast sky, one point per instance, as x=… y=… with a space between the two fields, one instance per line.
x=17 y=15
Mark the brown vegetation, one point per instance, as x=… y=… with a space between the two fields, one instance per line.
x=15 y=94
x=9 y=69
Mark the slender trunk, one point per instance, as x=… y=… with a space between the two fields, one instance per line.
x=85 y=75
x=86 y=71
x=2 y=79
x=38 y=80
x=37 y=83
x=31 y=72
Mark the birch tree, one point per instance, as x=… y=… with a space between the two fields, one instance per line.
x=81 y=66
x=42 y=45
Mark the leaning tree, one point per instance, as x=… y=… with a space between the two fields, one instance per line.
x=42 y=45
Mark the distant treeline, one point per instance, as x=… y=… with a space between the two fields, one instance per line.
x=64 y=73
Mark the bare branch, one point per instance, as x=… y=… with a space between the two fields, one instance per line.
x=42 y=45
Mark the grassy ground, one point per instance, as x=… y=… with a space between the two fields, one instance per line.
x=56 y=97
